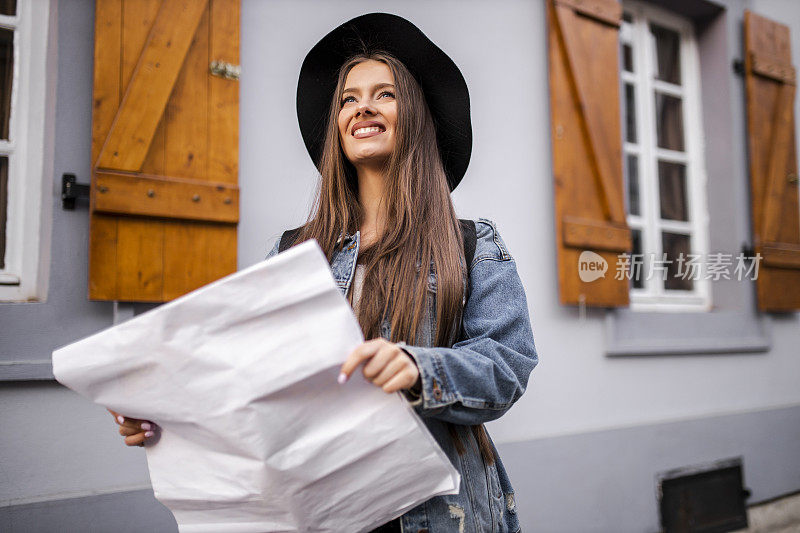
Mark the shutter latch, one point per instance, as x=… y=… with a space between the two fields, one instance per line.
x=225 y=70
x=71 y=190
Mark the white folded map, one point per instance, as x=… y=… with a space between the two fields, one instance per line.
x=257 y=435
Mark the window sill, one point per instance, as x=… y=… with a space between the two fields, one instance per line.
x=667 y=304
x=633 y=333
x=26 y=370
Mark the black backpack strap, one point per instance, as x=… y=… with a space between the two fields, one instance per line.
x=470 y=235
x=288 y=238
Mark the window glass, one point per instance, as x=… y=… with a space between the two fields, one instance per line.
x=666 y=44
x=630 y=114
x=678 y=274
x=638 y=272
x=669 y=122
x=627 y=57
x=632 y=178
x=8 y=7
x=672 y=190
x=6 y=78
x=3 y=208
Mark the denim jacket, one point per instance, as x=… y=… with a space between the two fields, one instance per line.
x=474 y=381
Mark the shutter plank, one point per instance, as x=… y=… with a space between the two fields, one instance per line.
x=607 y=11
x=195 y=255
x=129 y=269
x=781 y=255
x=773 y=68
x=106 y=91
x=590 y=234
x=139 y=273
x=223 y=110
x=140 y=15
x=159 y=196
x=186 y=113
x=770 y=82
x=587 y=148
x=151 y=84
x=780 y=145
x=106 y=95
x=102 y=257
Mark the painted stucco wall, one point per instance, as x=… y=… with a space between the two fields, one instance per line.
x=55 y=444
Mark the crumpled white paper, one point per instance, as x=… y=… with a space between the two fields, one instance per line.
x=257 y=433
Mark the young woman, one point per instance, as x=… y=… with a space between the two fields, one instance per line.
x=385 y=115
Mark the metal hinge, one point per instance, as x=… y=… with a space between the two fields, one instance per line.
x=71 y=190
x=225 y=70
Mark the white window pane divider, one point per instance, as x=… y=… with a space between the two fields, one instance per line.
x=635 y=221
x=675 y=226
x=632 y=148
x=671 y=156
x=664 y=87
x=9 y=22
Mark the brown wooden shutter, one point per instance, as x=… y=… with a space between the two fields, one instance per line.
x=164 y=195
x=587 y=146
x=770 y=80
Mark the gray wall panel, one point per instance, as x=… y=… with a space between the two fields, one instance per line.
x=606 y=480
x=124 y=512
x=601 y=482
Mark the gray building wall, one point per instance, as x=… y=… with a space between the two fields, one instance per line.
x=584 y=445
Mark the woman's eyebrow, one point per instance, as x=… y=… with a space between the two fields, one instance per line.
x=375 y=88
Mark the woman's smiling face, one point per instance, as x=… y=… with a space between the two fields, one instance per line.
x=368 y=114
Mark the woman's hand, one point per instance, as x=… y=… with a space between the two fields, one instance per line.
x=386 y=365
x=136 y=431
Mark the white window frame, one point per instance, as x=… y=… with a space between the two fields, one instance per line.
x=29 y=152
x=653 y=297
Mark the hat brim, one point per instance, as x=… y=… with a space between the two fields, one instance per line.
x=440 y=79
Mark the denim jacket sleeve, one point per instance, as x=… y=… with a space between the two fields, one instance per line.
x=481 y=376
x=274 y=250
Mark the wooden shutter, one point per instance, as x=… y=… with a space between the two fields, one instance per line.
x=587 y=146
x=164 y=195
x=770 y=80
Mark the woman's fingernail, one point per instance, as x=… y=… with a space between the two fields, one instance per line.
x=342 y=378
x=146 y=426
x=121 y=419
x=148 y=434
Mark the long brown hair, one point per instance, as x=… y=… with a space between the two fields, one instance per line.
x=422 y=232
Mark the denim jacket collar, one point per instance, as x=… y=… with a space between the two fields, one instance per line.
x=343 y=262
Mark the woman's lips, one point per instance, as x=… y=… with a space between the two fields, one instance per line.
x=362 y=130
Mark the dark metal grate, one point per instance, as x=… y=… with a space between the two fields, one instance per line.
x=704 y=500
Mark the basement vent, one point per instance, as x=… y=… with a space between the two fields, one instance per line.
x=705 y=499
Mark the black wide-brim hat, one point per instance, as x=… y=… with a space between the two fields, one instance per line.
x=440 y=79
